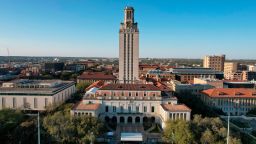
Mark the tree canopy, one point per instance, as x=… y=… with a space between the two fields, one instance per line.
x=64 y=128
x=199 y=130
x=82 y=86
x=178 y=132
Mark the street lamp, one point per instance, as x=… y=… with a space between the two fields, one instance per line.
x=228 y=129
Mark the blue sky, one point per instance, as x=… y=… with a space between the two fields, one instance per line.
x=168 y=28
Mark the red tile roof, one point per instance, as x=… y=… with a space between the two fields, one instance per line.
x=82 y=106
x=235 y=81
x=96 y=76
x=230 y=92
x=139 y=87
x=96 y=84
x=162 y=86
x=175 y=108
x=148 y=66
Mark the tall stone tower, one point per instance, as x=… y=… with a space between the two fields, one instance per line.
x=128 y=48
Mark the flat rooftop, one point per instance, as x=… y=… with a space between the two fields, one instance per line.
x=34 y=87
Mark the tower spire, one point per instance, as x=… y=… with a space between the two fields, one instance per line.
x=128 y=15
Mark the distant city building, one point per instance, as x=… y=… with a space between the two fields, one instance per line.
x=248 y=75
x=4 y=66
x=252 y=68
x=35 y=94
x=144 y=68
x=32 y=70
x=242 y=67
x=233 y=101
x=128 y=48
x=210 y=81
x=193 y=89
x=231 y=71
x=131 y=104
x=53 y=67
x=159 y=75
x=214 y=62
x=87 y=64
x=8 y=77
x=91 y=77
x=188 y=74
x=74 y=67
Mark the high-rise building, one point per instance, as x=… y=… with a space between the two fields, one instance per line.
x=231 y=71
x=128 y=48
x=214 y=62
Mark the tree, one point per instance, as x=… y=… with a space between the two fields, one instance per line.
x=66 y=75
x=26 y=132
x=207 y=137
x=9 y=120
x=82 y=86
x=59 y=127
x=210 y=130
x=197 y=105
x=177 y=132
x=64 y=128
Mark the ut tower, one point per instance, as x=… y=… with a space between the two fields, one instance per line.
x=128 y=48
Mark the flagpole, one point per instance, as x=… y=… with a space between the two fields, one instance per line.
x=228 y=130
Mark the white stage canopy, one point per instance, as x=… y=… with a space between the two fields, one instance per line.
x=131 y=137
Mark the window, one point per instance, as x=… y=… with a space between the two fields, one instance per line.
x=35 y=103
x=129 y=108
x=145 y=108
x=181 y=115
x=136 y=93
x=170 y=115
x=24 y=102
x=130 y=94
x=122 y=109
x=14 y=104
x=46 y=102
x=106 y=109
x=137 y=109
x=3 y=102
x=114 y=108
x=152 y=109
x=145 y=94
x=105 y=94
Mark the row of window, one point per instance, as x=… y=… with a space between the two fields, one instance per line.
x=175 y=116
x=236 y=102
x=83 y=113
x=137 y=109
x=25 y=103
x=130 y=94
x=235 y=108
